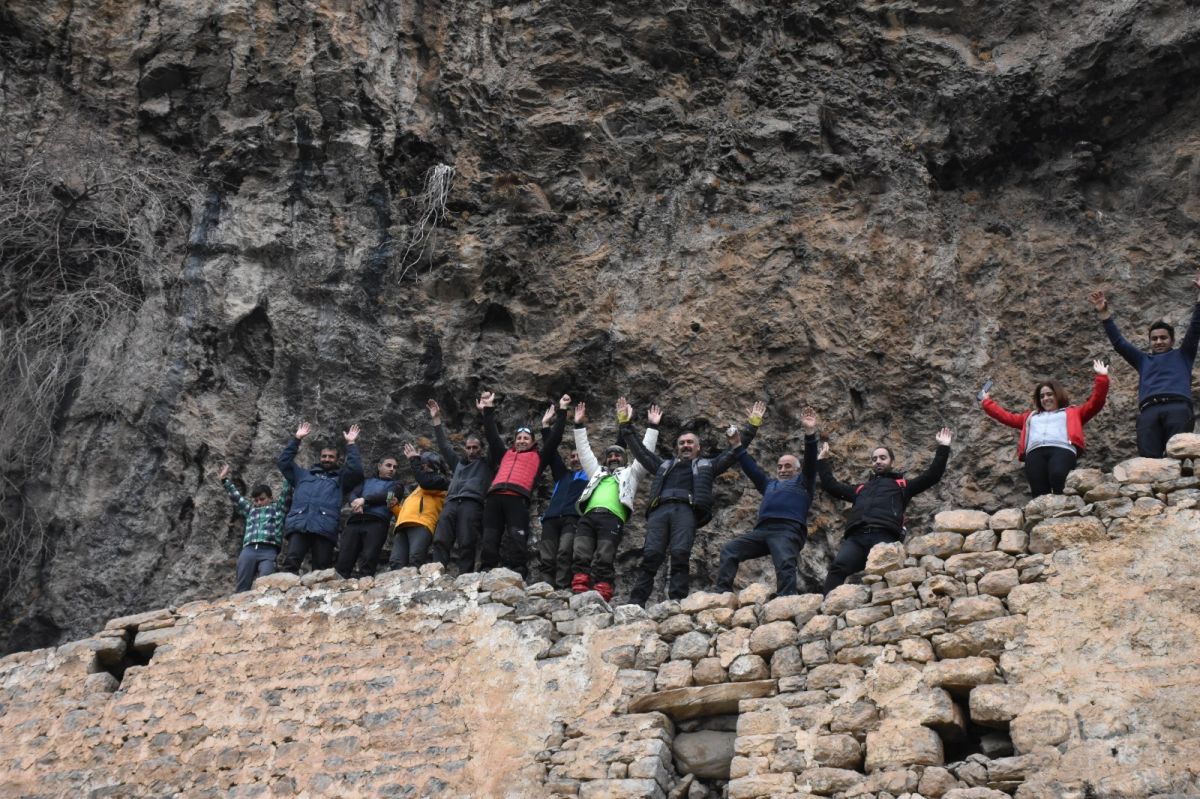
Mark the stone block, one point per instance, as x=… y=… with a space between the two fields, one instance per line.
x=620 y=789
x=988 y=561
x=137 y=619
x=1007 y=519
x=709 y=671
x=497 y=579
x=673 y=674
x=786 y=662
x=900 y=746
x=1184 y=446
x=769 y=637
x=100 y=683
x=702 y=600
x=829 y=781
x=980 y=541
x=845 y=597
x=910 y=575
x=691 y=645
x=761 y=785
x=652 y=653
x=147 y=642
x=814 y=653
x=970 y=609
x=833 y=675
x=1013 y=542
x=916 y=650
x=705 y=753
x=864 y=617
x=977 y=792
x=996 y=705
x=798 y=608
x=847 y=636
x=858 y=655
x=820 y=627
x=939 y=544
x=1030 y=730
x=855 y=718
x=747 y=668
x=1026 y=596
x=918 y=623
x=714 y=619
x=1103 y=492
x=754 y=594
x=745 y=617
x=893 y=782
x=836 y=751
x=960 y=521
x=673 y=626
x=708 y=700
x=881 y=594
x=577 y=602
x=999 y=583
x=935 y=782
x=944 y=585
x=1050 y=505
x=883 y=558
x=960 y=675
x=1051 y=535
x=732 y=644
x=984 y=638
x=1147 y=470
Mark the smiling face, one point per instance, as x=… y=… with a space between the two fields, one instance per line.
x=573 y=461
x=881 y=460
x=688 y=446
x=523 y=441
x=328 y=459
x=1161 y=340
x=788 y=467
x=1047 y=399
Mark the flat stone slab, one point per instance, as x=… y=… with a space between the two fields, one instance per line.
x=704 y=700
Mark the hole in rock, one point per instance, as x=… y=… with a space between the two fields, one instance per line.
x=978 y=740
x=497 y=319
x=116 y=663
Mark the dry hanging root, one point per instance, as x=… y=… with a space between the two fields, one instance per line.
x=431 y=204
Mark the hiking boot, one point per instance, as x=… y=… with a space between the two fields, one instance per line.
x=604 y=589
x=580 y=583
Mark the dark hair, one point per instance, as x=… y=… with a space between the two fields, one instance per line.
x=262 y=489
x=1060 y=395
x=434 y=461
x=1162 y=325
x=324 y=445
x=891 y=454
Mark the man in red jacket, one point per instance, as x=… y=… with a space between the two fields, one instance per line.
x=506 y=509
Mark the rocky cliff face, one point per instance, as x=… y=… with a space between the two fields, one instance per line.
x=863 y=206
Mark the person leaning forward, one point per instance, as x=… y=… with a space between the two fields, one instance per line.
x=681 y=500
x=877 y=516
x=1164 y=376
x=782 y=527
x=312 y=523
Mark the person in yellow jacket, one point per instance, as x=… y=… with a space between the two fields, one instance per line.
x=417 y=515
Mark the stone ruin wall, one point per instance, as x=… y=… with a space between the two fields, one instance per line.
x=1049 y=652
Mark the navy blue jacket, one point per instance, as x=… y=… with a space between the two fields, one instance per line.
x=318 y=494
x=568 y=488
x=1168 y=374
x=787 y=500
x=374 y=491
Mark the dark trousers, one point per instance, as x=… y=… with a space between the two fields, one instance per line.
x=595 y=550
x=505 y=533
x=555 y=548
x=255 y=560
x=780 y=539
x=362 y=541
x=852 y=555
x=459 y=525
x=410 y=547
x=300 y=544
x=671 y=527
x=1046 y=469
x=1158 y=423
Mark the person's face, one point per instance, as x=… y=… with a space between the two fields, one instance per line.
x=523 y=442
x=1046 y=399
x=688 y=446
x=260 y=500
x=474 y=449
x=881 y=461
x=573 y=461
x=1160 y=341
x=387 y=468
x=613 y=460
x=788 y=467
x=328 y=458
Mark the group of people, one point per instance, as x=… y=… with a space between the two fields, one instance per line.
x=475 y=504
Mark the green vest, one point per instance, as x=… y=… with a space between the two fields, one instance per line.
x=607 y=495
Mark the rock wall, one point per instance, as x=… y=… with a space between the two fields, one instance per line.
x=1044 y=652
x=866 y=207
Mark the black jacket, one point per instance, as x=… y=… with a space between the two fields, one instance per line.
x=704 y=470
x=471 y=478
x=880 y=502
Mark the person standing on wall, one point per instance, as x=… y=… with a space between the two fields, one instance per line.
x=1164 y=376
x=461 y=520
x=366 y=530
x=417 y=515
x=312 y=523
x=262 y=536
x=561 y=517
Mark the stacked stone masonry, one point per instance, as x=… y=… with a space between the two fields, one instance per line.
x=1044 y=652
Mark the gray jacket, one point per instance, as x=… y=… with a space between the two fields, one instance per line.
x=471 y=479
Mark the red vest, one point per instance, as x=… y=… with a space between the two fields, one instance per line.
x=518 y=472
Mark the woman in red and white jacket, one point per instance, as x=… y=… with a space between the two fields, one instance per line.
x=1052 y=432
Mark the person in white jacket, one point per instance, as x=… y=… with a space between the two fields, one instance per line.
x=605 y=505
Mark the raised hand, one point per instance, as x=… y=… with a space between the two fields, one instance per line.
x=486 y=400
x=654 y=414
x=824 y=451
x=351 y=435
x=944 y=437
x=1100 y=302
x=756 y=412
x=221 y=475
x=304 y=429
x=564 y=401
x=733 y=436
x=1099 y=367
x=808 y=419
x=548 y=416
x=580 y=413
x=435 y=410
x=410 y=451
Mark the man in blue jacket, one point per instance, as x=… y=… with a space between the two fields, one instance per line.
x=1164 y=376
x=370 y=519
x=782 y=527
x=560 y=517
x=317 y=498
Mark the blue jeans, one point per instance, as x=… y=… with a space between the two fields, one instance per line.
x=255 y=560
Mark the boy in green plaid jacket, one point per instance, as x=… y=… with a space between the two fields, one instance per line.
x=263 y=535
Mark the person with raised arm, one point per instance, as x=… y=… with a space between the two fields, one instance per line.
x=560 y=519
x=605 y=504
x=877 y=514
x=460 y=524
x=1164 y=376
x=782 y=527
x=417 y=515
x=262 y=536
x=681 y=499
x=506 y=509
x=318 y=494
x=1052 y=431
x=365 y=532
